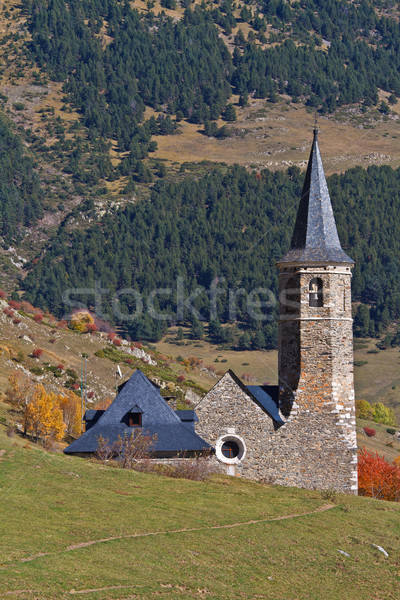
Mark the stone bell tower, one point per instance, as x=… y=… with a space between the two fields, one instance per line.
x=316 y=388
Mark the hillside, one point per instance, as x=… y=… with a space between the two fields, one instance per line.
x=185 y=368
x=116 y=534
x=111 y=110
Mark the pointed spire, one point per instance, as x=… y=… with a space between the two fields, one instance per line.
x=315 y=237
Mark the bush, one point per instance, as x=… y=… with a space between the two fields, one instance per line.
x=377 y=478
x=195 y=469
x=38 y=318
x=83 y=322
x=16 y=321
x=14 y=304
x=391 y=431
x=383 y=414
x=37 y=353
x=364 y=410
x=117 y=342
x=369 y=432
x=2 y=294
x=126 y=451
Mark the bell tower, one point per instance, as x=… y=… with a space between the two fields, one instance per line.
x=316 y=388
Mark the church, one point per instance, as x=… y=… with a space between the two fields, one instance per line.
x=301 y=432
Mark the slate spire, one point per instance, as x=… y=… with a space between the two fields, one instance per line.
x=315 y=237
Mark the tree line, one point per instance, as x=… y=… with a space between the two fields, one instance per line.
x=226 y=229
x=325 y=54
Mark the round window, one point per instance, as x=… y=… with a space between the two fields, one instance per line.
x=230 y=449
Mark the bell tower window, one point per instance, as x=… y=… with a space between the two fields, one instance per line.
x=315 y=293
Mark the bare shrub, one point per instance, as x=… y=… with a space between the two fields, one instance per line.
x=10 y=431
x=196 y=469
x=127 y=451
x=104 y=451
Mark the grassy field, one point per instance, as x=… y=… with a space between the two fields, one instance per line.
x=75 y=528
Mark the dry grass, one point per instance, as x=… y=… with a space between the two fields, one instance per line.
x=277 y=136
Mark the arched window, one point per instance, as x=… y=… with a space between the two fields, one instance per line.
x=315 y=294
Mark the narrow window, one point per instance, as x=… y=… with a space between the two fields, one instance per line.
x=135 y=419
x=315 y=292
x=290 y=297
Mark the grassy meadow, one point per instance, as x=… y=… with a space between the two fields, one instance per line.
x=71 y=527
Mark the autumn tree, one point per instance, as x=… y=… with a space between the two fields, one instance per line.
x=43 y=416
x=70 y=404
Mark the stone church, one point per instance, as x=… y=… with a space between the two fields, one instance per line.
x=303 y=431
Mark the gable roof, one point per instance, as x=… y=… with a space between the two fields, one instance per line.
x=266 y=397
x=157 y=419
x=315 y=237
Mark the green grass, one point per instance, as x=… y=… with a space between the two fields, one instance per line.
x=50 y=502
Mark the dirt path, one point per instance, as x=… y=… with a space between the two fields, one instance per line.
x=323 y=508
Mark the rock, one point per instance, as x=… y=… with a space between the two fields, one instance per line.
x=380 y=549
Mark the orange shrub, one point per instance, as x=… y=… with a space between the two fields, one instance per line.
x=377 y=478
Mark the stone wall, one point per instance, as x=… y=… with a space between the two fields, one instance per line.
x=316 y=448
x=320 y=407
x=227 y=406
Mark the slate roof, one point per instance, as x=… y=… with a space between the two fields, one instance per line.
x=267 y=396
x=90 y=415
x=315 y=237
x=187 y=415
x=173 y=435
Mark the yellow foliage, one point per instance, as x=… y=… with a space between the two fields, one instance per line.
x=397 y=461
x=364 y=410
x=43 y=416
x=71 y=407
x=80 y=320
